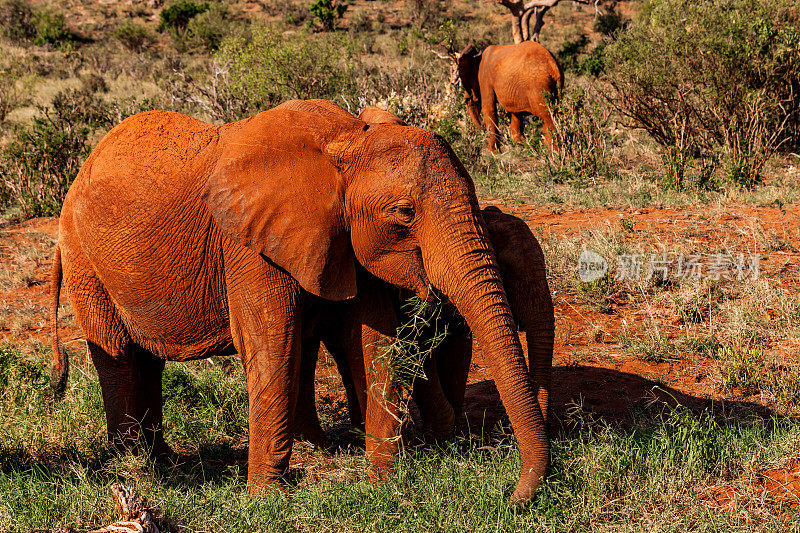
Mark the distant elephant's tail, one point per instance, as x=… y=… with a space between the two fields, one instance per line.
x=60 y=370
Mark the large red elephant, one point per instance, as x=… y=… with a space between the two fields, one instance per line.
x=180 y=240
x=520 y=77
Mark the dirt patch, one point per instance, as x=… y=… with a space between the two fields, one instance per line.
x=778 y=486
x=783 y=484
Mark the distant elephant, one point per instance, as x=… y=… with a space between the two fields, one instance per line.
x=180 y=240
x=519 y=76
x=440 y=397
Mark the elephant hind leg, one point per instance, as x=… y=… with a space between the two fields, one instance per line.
x=130 y=376
x=131 y=385
x=517 y=127
x=549 y=130
x=489 y=109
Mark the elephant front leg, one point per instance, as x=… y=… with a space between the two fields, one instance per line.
x=357 y=341
x=475 y=113
x=434 y=408
x=453 y=359
x=383 y=406
x=265 y=314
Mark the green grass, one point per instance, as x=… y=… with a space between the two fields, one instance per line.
x=55 y=468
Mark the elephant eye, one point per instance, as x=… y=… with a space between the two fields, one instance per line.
x=404 y=212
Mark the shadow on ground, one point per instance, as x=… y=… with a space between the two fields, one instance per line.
x=615 y=397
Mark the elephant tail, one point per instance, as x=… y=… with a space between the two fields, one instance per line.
x=60 y=370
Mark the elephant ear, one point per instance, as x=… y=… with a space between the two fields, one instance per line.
x=322 y=107
x=468 y=62
x=375 y=115
x=276 y=188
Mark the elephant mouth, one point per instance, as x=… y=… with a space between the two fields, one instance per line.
x=425 y=289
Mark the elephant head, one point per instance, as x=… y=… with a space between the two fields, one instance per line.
x=467 y=65
x=375 y=115
x=327 y=189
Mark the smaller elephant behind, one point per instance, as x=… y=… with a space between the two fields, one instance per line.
x=520 y=77
x=440 y=397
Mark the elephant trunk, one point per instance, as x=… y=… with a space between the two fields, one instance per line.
x=467 y=273
x=535 y=316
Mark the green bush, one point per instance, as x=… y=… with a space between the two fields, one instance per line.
x=327 y=12
x=16 y=21
x=13 y=92
x=610 y=22
x=574 y=57
x=51 y=28
x=176 y=16
x=714 y=83
x=583 y=140
x=207 y=30
x=37 y=168
x=134 y=36
x=271 y=68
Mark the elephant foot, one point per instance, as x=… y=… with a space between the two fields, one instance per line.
x=380 y=472
x=266 y=489
x=137 y=443
x=314 y=435
x=444 y=426
x=162 y=453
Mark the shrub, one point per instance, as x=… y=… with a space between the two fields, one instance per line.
x=94 y=83
x=327 y=12
x=711 y=82
x=134 y=36
x=425 y=12
x=177 y=15
x=16 y=21
x=582 y=138
x=38 y=167
x=51 y=28
x=270 y=68
x=574 y=57
x=610 y=22
x=207 y=30
x=12 y=94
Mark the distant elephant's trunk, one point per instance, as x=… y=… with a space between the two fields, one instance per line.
x=464 y=268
